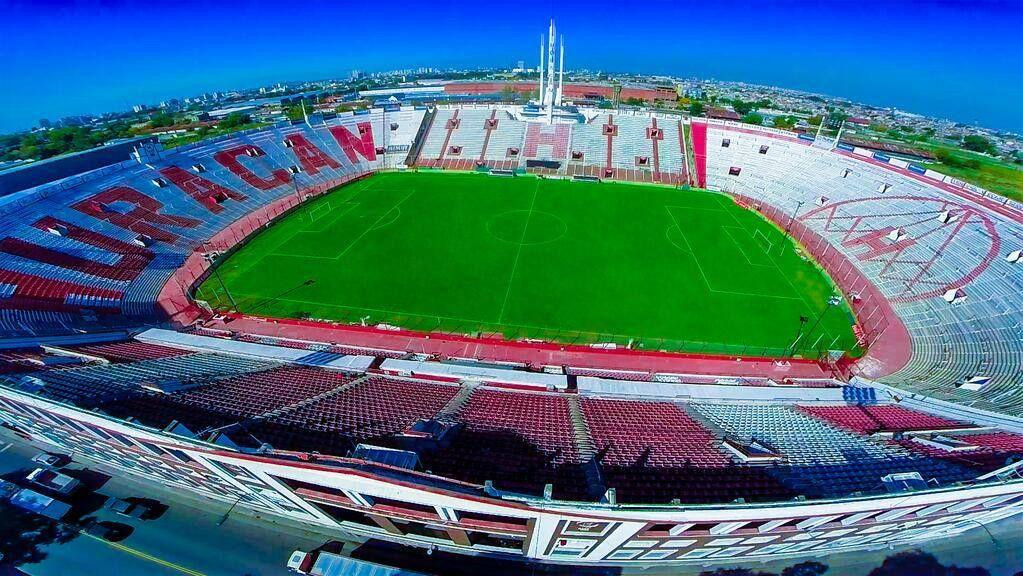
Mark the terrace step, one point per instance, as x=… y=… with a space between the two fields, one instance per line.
x=583 y=442
x=719 y=433
x=595 y=486
x=311 y=400
x=455 y=405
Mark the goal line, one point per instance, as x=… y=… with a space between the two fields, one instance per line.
x=766 y=243
x=319 y=211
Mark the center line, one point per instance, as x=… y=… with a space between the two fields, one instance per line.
x=515 y=264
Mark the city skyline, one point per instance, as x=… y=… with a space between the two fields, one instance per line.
x=784 y=44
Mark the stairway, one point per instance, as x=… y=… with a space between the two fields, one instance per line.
x=595 y=487
x=312 y=399
x=455 y=405
x=420 y=139
x=719 y=433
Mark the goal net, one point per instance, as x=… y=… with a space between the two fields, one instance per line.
x=319 y=212
x=766 y=243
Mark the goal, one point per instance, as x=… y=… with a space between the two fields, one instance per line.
x=766 y=243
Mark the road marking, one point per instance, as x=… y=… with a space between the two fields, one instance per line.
x=144 y=556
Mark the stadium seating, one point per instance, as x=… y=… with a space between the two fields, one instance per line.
x=96 y=256
x=519 y=440
x=372 y=409
x=95 y=384
x=853 y=202
x=821 y=460
x=129 y=351
x=648 y=451
x=884 y=418
x=656 y=452
x=229 y=400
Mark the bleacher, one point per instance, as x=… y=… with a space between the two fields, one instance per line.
x=92 y=385
x=128 y=351
x=883 y=418
x=656 y=452
x=582 y=444
x=372 y=409
x=820 y=460
x=521 y=441
x=96 y=255
x=855 y=203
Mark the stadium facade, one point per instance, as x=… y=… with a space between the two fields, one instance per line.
x=542 y=451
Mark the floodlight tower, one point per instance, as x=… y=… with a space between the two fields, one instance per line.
x=561 y=74
x=548 y=99
x=540 y=79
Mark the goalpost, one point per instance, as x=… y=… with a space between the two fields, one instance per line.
x=319 y=212
x=766 y=243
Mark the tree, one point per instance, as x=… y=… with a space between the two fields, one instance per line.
x=814 y=120
x=24 y=536
x=784 y=122
x=741 y=107
x=978 y=143
x=161 y=120
x=753 y=118
x=922 y=563
x=836 y=117
x=809 y=568
x=234 y=120
x=508 y=93
x=605 y=105
x=295 y=112
x=696 y=109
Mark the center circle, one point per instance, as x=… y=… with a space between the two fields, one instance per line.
x=526 y=228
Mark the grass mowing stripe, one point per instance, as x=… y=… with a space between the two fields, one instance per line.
x=692 y=252
x=518 y=253
x=372 y=227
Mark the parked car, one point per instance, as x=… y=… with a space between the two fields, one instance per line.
x=53 y=480
x=33 y=501
x=128 y=508
x=51 y=459
x=109 y=531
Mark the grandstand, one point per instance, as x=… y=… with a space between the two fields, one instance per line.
x=530 y=448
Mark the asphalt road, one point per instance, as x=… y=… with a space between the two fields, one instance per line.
x=192 y=538
x=188 y=539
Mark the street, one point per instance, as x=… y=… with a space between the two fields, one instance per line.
x=186 y=539
x=197 y=537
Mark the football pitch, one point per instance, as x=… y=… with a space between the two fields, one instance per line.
x=656 y=267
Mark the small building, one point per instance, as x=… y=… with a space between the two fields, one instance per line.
x=722 y=113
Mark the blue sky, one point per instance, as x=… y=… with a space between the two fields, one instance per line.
x=961 y=60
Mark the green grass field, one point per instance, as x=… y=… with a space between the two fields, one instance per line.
x=991 y=174
x=670 y=269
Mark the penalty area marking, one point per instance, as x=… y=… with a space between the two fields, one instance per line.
x=706 y=281
x=397 y=214
x=738 y=245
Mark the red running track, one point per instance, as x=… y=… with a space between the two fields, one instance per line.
x=531 y=353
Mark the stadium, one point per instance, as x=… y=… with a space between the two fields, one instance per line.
x=543 y=331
